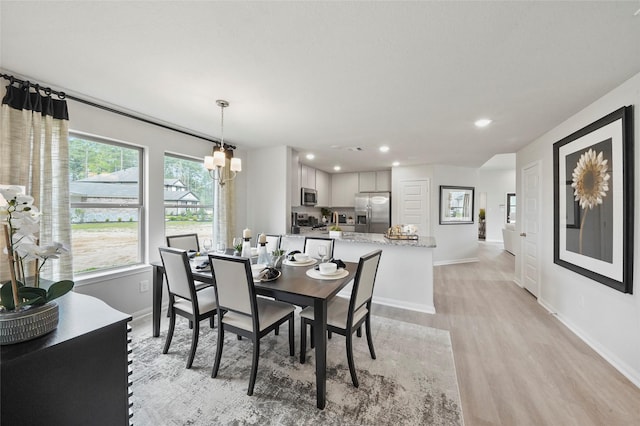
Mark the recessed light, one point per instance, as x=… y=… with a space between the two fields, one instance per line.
x=483 y=122
x=395 y=163
x=384 y=148
x=310 y=156
x=336 y=168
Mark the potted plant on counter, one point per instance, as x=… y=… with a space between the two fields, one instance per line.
x=26 y=312
x=335 y=232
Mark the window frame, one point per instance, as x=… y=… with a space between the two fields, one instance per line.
x=139 y=205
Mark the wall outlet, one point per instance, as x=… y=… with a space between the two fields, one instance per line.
x=144 y=286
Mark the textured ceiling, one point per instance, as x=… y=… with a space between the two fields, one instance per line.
x=324 y=77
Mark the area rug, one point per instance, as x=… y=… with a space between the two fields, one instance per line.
x=412 y=381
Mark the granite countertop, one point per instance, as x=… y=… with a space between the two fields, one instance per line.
x=359 y=237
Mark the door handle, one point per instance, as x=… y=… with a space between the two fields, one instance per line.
x=523 y=234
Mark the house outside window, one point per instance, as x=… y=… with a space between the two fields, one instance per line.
x=188 y=197
x=106 y=184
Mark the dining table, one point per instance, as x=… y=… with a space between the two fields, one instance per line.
x=293 y=285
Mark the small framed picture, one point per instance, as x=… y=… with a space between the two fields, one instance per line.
x=593 y=201
x=456 y=205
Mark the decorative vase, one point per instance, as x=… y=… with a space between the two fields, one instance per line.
x=16 y=327
x=335 y=234
x=277 y=261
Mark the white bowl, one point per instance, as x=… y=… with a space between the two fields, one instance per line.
x=256 y=269
x=301 y=257
x=328 y=268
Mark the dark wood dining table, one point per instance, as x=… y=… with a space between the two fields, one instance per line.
x=293 y=286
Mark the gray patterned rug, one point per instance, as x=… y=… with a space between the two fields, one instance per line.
x=412 y=381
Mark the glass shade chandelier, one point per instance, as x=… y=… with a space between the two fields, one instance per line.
x=216 y=162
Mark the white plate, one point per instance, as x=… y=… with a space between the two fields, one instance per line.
x=317 y=275
x=307 y=262
x=336 y=272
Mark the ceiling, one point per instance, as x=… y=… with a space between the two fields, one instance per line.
x=329 y=77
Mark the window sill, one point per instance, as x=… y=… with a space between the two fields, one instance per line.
x=102 y=276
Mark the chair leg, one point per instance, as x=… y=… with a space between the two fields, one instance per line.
x=352 y=367
x=277 y=331
x=311 y=340
x=303 y=340
x=194 y=343
x=367 y=327
x=239 y=337
x=190 y=325
x=359 y=332
x=216 y=364
x=291 y=330
x=212 y=321
x=329 y=334
x=254 y=365
x=172 y=325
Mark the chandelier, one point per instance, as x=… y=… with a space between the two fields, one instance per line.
x=216 y=162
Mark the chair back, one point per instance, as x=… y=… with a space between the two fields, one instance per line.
x=273 y=242
x=178 y=272
x=184 y=242
x=365 y=279
x=311 y=245
x=234 y=283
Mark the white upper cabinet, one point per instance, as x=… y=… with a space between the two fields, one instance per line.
x=323 y=187
x=307 y=177
x=375 y=181
x=344 y=187
x=295 y=180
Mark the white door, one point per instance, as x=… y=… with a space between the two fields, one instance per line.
x=530 y=228
x=414 y=205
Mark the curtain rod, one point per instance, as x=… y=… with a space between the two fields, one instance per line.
x=62 y=95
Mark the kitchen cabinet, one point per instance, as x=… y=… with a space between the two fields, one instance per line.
x=344 y=187
x=307 y=177
x=374 y=181
x=323 y=188
x=295 y=180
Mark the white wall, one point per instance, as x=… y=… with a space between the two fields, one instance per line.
x=496 y=184
x=121 y=290
x=606 y=319
x=454 y=243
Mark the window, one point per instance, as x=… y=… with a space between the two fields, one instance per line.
x=511 y=208
x=105 y=189
x=188 y=197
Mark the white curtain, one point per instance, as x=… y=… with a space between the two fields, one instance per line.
x=34 y=153
x=224 y=200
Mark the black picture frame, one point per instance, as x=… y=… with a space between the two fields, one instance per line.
x=456 y=205
x=593 y=200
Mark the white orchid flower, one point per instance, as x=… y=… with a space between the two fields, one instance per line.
x=10 y=192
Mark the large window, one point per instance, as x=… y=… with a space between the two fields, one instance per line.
x=106 y=203
x=188 y=197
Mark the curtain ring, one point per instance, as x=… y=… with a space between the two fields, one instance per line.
x=47 y=91
x=25 y=85
x=61 y=95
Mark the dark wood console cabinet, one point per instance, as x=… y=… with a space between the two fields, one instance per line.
x=79 y=374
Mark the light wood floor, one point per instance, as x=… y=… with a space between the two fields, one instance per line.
x=516 y=363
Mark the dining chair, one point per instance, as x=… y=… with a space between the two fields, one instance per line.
x=345 y=316
x=184 y=300
x=273 y=242
x=184 y=242
x=241 y=312
x=311 y=245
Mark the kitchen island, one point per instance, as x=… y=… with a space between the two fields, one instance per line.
x=405 y=274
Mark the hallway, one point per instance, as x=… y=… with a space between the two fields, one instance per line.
x=516 y=363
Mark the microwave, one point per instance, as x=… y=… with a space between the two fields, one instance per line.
x=309 y=197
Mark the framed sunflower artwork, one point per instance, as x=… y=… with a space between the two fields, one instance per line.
x=593 y=200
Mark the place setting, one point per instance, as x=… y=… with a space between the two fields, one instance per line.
x=263 y=273
x=297 y=258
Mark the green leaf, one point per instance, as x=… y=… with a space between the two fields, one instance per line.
x=34 y=296
x=59 y=289
x=6 y=294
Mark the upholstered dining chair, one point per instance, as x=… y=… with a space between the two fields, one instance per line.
x=184 y=300
x=241 y=312
x=345 y=316
x=184 y=242
x=273 y=242
x=311 y=245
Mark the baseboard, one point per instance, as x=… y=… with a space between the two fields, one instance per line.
x=617 y=363
x=517 y=281
x=144 y=312
x=394 y=303
x=455 y=261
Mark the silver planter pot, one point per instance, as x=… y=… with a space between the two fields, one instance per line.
x=16 y=327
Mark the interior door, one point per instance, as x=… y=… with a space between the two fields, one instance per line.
x=530 y=229
x=414 y=205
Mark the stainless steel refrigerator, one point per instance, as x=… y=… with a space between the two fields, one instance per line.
x=373 y=212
